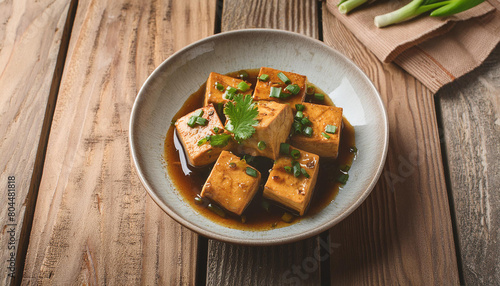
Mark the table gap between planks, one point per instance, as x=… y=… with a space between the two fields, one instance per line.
x=94 y=223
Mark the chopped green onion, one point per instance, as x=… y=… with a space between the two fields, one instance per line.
x=251 y=172
x=325 y=135
x=192 y=121
x=284 y=78
x=248 y=158
x=201 y=121
x=331 y=129
x=261 y=145
x=304 y=172
x=310 y=90
x=305 y=121
x=299 y=114
x=295 y=154
x=293 y=88
x=308 y=131
x=275 y=92
x=288 y=169
x=319 y=96
x=219 y=86
x=285 y=148
x=198 y=113
x=296 y=169
x=288 y=218
x=297 y=127
x=284 y=95
x=343 y=178
x=299 y=107
x=264 y=77
x=243 y=86
x=216 y=129
x=217 y=210
x=353 y=149
x=203 y=140
x=232 y=165
x=243 y=74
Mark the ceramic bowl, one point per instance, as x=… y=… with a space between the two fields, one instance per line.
x=165 y=91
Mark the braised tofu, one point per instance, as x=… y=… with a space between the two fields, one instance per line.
x=217 y=86
x=292 y=181
x=326 y=124
x=230 y=184
x=200 y=154
x=275 y=120
x=263 y=88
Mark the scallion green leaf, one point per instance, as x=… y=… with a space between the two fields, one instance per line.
x=304 y=172
x=251 y=172
x=331 y=129
x=343 y=178
x=288 y=169
x=264 y=77
x=299 y=107
x=295 y=154
x=310 y=90
x=201 y=121
x=299 y=114
x=319 y=96
x=198 y=113
x=293 y=88
x=275 y=92
x=219 y=86
x=325 y=135
x=261 y=145
x=192 y=121
x=305 y=121
x=243 y=86
x=284 y=78
x=308 y=131
x=285 y=148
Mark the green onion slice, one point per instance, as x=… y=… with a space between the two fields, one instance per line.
x=304 y=172
x=285 y=148
x=308 y=131
x=295 y=154
x=216 y=210
x=331 y=129
x=201 y=121
x=284 y=78
x=297 y=127
x=192 y=121
x=198 y=113
x=296 y=169
x=325 y=135
x=275 y=92
x=319 y=96
x=261 y=145
x=243 y=86
x=299 y=114
x=293 y=88
x=243 y=74
x=305 y=121
x=299 y=107
x=219 y=86
x=343 y=178
x=288 y=169
x=251 y=172
x=310 y=90
x=264 y=77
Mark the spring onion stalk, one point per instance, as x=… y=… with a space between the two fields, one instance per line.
x=346 y=6
x=439 y=8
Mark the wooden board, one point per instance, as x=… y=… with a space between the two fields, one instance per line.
x=470 y=110
x=32 y=34
x=402 y=234
x=292 y=263
x=94 y=222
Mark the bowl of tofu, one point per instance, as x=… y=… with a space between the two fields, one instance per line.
x=277 y=153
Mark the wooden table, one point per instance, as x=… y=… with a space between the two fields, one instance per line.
x=70 y=71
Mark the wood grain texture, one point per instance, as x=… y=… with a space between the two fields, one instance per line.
x=31 y=34
x=402 y=234
x=470 y=110
x=296 y=263
x=298 y=16
x=94 y=223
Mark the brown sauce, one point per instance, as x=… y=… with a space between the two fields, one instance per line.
x=189 y=180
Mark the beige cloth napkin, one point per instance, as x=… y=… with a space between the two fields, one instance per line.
x=434 y=50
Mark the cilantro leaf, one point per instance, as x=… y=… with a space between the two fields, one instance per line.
x=241 y=117
x=219 y=140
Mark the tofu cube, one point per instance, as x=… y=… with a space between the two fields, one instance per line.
x=285 y=188
x=229 y=185
x=215 y=96
x=275 y=120
x=321 y=116
x=263 y=88
x=189 y=136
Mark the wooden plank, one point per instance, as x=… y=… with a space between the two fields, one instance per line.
x=292 y=263
x=402 y=234
x=470 y=110
x=94 y=222
x=31 y=36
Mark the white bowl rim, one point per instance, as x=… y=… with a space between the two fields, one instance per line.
x=274 y=241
